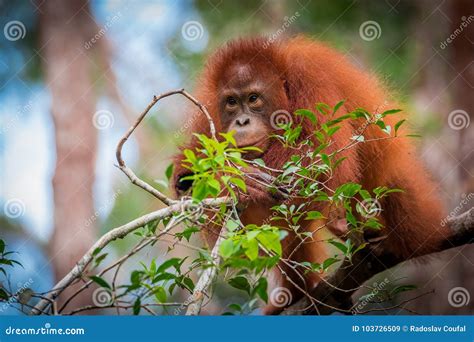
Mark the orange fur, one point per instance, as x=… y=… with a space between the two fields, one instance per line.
x=315 y=73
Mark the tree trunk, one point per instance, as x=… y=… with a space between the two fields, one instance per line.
x=462 y=58
x=65 y=27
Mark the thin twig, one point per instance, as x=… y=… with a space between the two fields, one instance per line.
x=118 y=153
x=206 y=279
x=117 y=233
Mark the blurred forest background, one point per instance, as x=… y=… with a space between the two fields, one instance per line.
x=74 y=74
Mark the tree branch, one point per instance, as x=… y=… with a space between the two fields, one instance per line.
x=206 y=279
x=118 y=153
x=118 y=233
x=337 y=290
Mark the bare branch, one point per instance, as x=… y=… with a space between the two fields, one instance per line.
x=117 y=233
x=206 y=279
x=118 y=153
x=335 y=292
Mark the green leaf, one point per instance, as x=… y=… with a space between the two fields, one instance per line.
x=188 y=232
x=307 y=113
x=189 y=283
x=339 y=245
x=402 y=288
x=137 y=306
x=96 y=251
x=164 y=276
x=99 y=259
x=191 y=157
x=226 y=248
x=261 y=289
x=348 y=189
x=169 y=171
x=325 y=159
x=337 y=106
x=239 y=183
x=3 y=295
x=135 y=277
x=173 y=262
x=229 y=137
x=2 y=246
x=323 y=108
x=251 y=248
x=235 y=307
x=240 y=283
x=271 y=241
x=232 y=225
x=397 y=125
x=328 y=262
x=391 y=111
x=160 y=294
x=215 y=185
x=200 y=190
x=314 y=215
x=100 y=281
x=333 y=130
x=387 y=129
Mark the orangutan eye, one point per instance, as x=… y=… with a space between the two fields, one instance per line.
x=231 y=101
x=253 y=97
